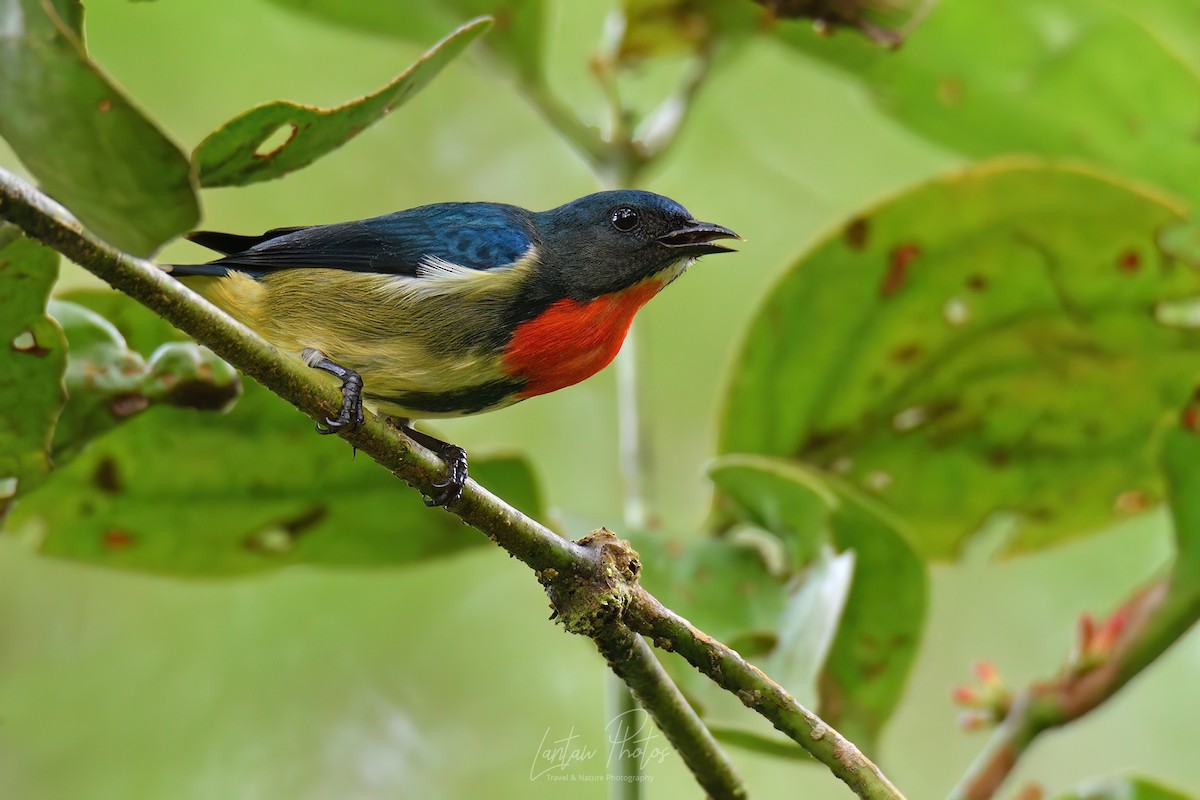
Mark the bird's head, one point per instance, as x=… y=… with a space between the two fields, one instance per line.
x=608 y=241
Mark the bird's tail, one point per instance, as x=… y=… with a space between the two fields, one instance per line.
x=195 y=270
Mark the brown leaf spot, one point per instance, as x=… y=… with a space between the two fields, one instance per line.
x=1129 y=262
x=106 y=477
x=115 y=539
x=1191 y=418
x=305 y=521
x=856 y=233
x=999 y=458
x=126 y=405
x=977 y=283
x=900 y=260
x=1132 y=502
x=105 y=106
x=950 y=91
x=905 y=353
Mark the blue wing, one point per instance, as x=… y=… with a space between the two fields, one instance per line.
x=479 y=236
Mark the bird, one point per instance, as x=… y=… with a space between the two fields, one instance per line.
x=454 y=308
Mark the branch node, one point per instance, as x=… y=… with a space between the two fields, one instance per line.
x=590 y=599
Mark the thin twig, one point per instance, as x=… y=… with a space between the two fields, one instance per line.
x=561 y=564
x=633 y=662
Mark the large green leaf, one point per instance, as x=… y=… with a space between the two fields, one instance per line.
x=174 y=491
x=517 y=39
x=1123 y=789
x=82 y=138
x=234 y=155
x=853 y=626
x=1041 y=76
x=986 y=342
x=33 y=357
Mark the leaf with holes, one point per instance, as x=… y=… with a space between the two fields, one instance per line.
x=1039 y=76
x=995 y=340
x=234 y=154
x=33 y=357
x=82 y=139
x=517 y=40
x=174 y=491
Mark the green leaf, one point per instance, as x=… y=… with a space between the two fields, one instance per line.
x=1124 y=789
x=781 y=497
x=1181 y=470
x=876 y=643
x=178 y=492
x=810 y=623
x=1039 y=77
x=852 y=627
x=723 y=585
x=235 y=154
x=82 y=138
x=986 y=342
x=517 y=39
x=108 y=383
x=33 y=357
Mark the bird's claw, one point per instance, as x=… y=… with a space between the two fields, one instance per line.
x=352 y=415
x=450 y=490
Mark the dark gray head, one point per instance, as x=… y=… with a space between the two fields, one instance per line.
x=608 y=241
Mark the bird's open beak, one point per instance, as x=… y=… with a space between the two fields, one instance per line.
x=697 y=238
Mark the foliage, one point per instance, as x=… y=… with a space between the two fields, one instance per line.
x=1003 y=340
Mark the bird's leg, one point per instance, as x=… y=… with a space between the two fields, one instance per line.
x=455 y=458
x=351 y=414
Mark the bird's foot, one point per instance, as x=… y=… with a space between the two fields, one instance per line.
x=352 y=414
x=450 y=489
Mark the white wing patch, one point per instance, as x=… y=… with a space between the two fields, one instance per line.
x=437 y=277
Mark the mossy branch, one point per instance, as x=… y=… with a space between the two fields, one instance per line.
x=592 y=583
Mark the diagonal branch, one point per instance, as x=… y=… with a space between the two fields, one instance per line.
x=592 y=582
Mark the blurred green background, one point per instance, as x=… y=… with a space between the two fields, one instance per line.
x=443 y=680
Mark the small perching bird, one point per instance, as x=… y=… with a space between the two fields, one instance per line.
x=455 y=308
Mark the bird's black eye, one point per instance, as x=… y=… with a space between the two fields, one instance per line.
x=625 y=219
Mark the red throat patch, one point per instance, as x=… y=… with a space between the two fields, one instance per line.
x=570 y=341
